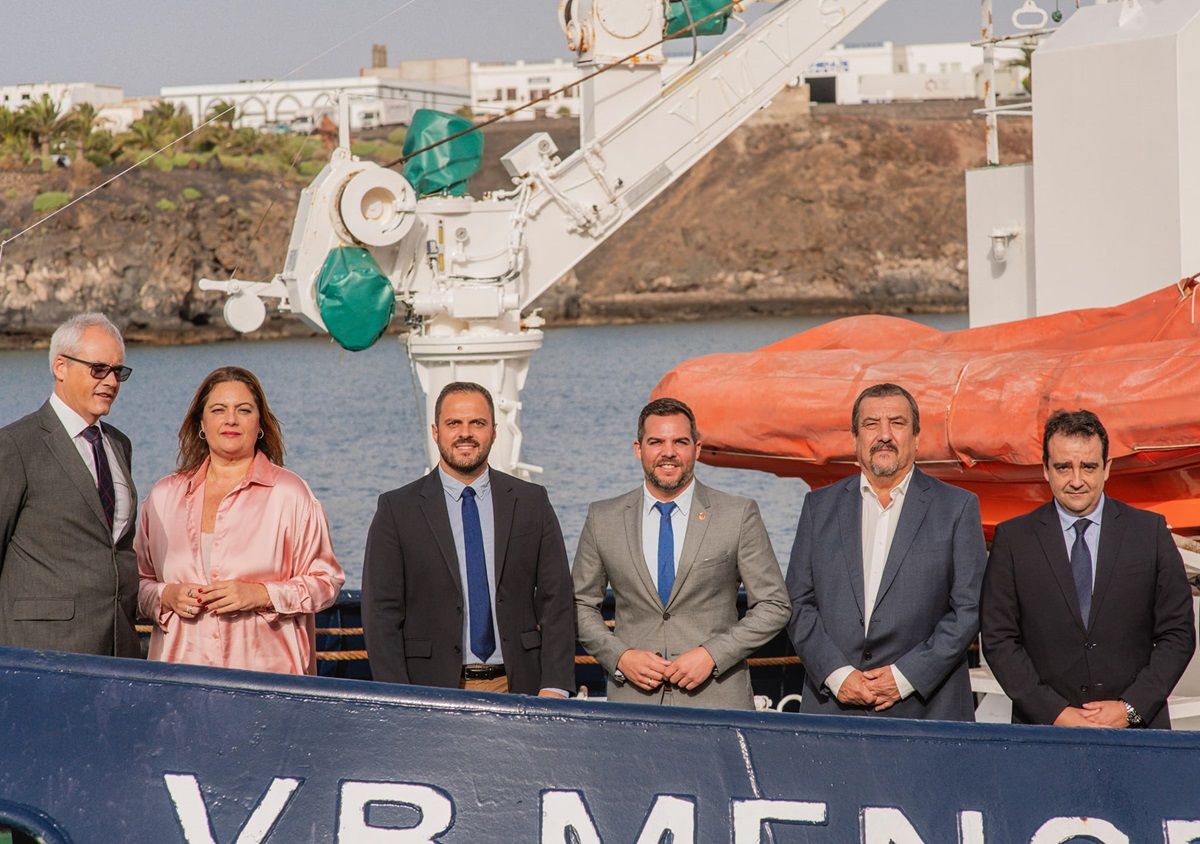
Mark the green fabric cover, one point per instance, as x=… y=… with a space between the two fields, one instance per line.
x=444 y=169
x=355 y=298
x=678 y=20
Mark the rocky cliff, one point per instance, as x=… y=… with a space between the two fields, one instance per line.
x=843 y=210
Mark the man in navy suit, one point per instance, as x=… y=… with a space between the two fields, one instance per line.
x=465 y=578
x=1087 y=613
x=884 y=578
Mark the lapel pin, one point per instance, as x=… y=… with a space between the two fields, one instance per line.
x=701 y=516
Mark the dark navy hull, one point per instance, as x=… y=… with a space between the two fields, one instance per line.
x=104 y=750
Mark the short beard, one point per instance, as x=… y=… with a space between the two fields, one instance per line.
x=884 y=471
x=467 y=467
x=683 y=481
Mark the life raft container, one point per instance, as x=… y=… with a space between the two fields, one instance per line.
x=984 y=395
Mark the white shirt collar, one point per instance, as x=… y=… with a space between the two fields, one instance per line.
x=683 y=501
x=72 y=421
x=899 y=489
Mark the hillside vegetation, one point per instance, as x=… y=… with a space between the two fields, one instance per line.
x=843 y=210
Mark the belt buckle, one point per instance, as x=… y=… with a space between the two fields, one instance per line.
x=482 y=671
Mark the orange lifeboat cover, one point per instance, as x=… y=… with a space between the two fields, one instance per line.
x=984 y=395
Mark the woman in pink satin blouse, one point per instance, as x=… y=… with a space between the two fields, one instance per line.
x=233 y=550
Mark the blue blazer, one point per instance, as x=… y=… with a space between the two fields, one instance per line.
x=926 y=613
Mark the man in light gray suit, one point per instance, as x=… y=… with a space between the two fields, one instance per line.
x=674 y=551
x=885 y=577
x=68 y=575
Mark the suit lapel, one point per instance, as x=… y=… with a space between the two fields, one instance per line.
x=504 y=503
x=1050 y=534
x=433 y=507
x=633 y=536
x=912 y=514
x=71 y=461
x=850 y=519
x=697 y=524
x=1112 y=530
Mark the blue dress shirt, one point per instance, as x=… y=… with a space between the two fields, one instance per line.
x=487 y=523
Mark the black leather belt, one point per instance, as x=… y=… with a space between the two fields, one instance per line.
x=479 y=671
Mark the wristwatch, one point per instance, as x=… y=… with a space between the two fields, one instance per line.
x=1132 y=718
x=619 y=677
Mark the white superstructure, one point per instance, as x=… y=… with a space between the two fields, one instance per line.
x=1110 y=208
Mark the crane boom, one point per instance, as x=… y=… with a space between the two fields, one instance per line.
x=464 y=270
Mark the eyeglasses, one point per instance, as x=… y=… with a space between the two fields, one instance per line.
x=100 y=370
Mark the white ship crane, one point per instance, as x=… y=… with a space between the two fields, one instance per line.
x=465 y=271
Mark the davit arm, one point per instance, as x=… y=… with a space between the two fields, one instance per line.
x=464 y=270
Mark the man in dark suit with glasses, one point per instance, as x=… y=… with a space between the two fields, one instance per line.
x=68 y=574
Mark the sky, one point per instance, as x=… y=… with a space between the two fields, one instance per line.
x=143 y=45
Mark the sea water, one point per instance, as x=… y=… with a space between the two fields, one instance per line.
x=353 y=423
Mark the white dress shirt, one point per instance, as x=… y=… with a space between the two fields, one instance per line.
x=75 y=425
x=652 y=524
x=878 y=530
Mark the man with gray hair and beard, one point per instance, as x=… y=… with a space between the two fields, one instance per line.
x=674 y=551
x=68 y=575
x=885 y=576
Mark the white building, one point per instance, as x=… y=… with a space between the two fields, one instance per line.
x=119 y=116
x=66 y=95
x=499 y=86
x=889 y=72
x=373 y=101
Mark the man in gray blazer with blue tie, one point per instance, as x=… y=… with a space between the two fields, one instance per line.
x=674 y=551
x=68 y=575
x=885 y=576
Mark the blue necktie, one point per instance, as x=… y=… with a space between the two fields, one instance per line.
x=666 y=551
x=483 y=640
x=1081 y=568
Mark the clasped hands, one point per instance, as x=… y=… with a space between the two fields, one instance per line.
x=647 y=670
x=188 y=600
x=874 y=687
x=1097 y=713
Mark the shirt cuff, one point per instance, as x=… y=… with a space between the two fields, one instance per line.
x=902 y=685
x=838 y=676
x=562 y=692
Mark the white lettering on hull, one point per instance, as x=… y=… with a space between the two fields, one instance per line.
x=192 y=812
x=748 y=816
x=434 y=805
x=1061 y=830
x=565 y=815
x=568 y=811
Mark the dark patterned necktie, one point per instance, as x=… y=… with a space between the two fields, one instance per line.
x=104 y=481
x=1081 y=569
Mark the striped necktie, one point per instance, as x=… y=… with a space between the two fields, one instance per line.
x=104 y=481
